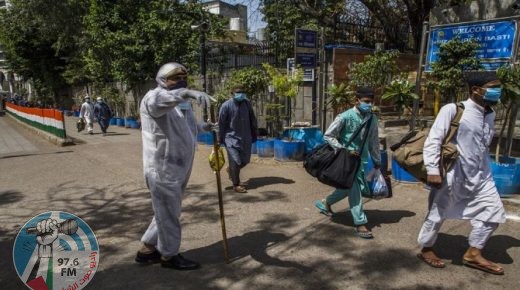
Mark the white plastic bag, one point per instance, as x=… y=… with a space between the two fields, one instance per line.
x=377 y=184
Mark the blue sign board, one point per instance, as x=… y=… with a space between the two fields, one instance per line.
x=306 y=60
x=496 y=41
x=306 y=38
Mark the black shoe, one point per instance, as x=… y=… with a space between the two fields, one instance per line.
x=152 y=258
x=180 y=263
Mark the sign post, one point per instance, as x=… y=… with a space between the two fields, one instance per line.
x=305 y=52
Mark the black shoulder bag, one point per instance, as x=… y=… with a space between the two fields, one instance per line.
x=337 y=168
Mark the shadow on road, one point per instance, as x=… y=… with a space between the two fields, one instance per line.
x=10 y=196
x=376 y=217
x=452 y=247
x=256 y=182
x=35 y=154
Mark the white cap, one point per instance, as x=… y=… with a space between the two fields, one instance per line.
x=99 y=99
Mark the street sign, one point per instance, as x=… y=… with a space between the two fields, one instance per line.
x=290 y=65
x=306 y=60
x=308 y=75
x=496 y=41
x=306 y=38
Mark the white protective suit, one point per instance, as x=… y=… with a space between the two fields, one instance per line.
x=87 y=113
x=169 y=139
x=468 y=190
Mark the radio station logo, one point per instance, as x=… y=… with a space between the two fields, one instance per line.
x=56 y=250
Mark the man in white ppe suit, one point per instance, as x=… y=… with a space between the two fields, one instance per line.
x=87 y=114
x=467 y=191
x=169 y=133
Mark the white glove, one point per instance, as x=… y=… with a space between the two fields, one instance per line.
x=199 y=96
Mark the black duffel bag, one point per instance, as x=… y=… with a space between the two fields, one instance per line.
x=336 y=168
x=318 y=159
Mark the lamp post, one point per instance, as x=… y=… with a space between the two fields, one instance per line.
x=203 y=28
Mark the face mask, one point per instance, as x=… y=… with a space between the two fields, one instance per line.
x=365 y=108
x=179 y=85
x=239 y=97
x=185 y=106
x=492 y=95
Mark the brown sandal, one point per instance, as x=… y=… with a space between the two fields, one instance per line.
x=432 y=262
x=240 y=189
x=491 y=268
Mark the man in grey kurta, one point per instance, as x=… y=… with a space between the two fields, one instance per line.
x=237 y=125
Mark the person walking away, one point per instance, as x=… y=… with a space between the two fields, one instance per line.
x=467 y=191
x=338 y=135
x=169 y=134
x=103 y=114
x=238 y=131
x=87 y=114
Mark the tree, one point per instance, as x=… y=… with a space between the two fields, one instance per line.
x=395 y=17
x=376 y=71
x=402 y=92
x=39 y=39
x=455 y=58
x=510 y=78
x=129 y=39
x=285 y=88
x=341 y=97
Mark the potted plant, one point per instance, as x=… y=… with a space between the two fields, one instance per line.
x=505 y=167
x=402 y=93
x=283 y=89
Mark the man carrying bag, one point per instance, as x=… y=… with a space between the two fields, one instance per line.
x=355 y=130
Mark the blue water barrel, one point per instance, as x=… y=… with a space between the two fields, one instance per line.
x=289 y=150
x=506 y=174
x=129 y=121
x=205 y=138
x=76 y=113
x=135 y=125
x=113 y=121
x=312 y=136
x=384 y=163
x=265 y=147
x=120 y=122
x=209 y=138
x=401 y=175
x=253 y=148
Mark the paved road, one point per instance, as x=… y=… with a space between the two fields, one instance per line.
x=277 y=239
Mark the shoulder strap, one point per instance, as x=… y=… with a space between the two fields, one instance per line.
x=454 y=125
x=358 y=130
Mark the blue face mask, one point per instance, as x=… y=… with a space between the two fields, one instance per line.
x=492 y=95
x=179 y=85
x=239 y=97
x=365 y=108
x=185 y=106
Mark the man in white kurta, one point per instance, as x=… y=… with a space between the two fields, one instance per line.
x=87 y=113
x=467 y=191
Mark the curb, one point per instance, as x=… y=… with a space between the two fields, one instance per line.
x=49 y=137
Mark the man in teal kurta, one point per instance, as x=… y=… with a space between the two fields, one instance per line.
x=338 y=135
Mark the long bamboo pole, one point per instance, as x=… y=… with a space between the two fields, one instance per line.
x=216 y=147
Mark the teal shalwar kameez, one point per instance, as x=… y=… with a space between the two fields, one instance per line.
x=337 y=135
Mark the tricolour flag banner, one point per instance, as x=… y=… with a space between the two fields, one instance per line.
x=48 y=120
